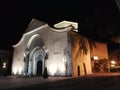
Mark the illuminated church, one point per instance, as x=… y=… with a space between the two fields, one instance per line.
x=56 y=49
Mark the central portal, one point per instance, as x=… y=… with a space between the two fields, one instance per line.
x=39 y=68
x=39 y=62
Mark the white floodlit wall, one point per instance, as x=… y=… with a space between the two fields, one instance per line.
x=54 y=43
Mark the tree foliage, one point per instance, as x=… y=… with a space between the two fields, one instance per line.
x=83 y=43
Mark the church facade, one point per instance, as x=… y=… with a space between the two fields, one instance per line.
x=56 y=49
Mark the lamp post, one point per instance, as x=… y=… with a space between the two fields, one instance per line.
x=95 y=58
x=4 y=66
x=113 y=65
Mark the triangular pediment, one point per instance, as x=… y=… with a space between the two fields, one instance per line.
x=34 y=24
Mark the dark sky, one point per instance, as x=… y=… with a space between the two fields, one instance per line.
x=98 y=19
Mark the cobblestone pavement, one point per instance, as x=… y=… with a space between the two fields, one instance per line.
x=13 y=82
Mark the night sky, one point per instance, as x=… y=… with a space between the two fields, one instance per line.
x=97 y=19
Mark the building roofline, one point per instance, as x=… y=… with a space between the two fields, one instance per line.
x=64 y=29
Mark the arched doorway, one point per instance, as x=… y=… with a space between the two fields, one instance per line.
x=39 y=68
x=39 y=63
x=36 y=63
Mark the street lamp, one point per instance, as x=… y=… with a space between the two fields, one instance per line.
x=113 y=63
x=95 y=58
x=4 y=65
x=113 y=66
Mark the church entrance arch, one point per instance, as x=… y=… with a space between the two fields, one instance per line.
x=38 y=61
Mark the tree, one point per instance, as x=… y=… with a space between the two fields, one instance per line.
x=84 y=44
